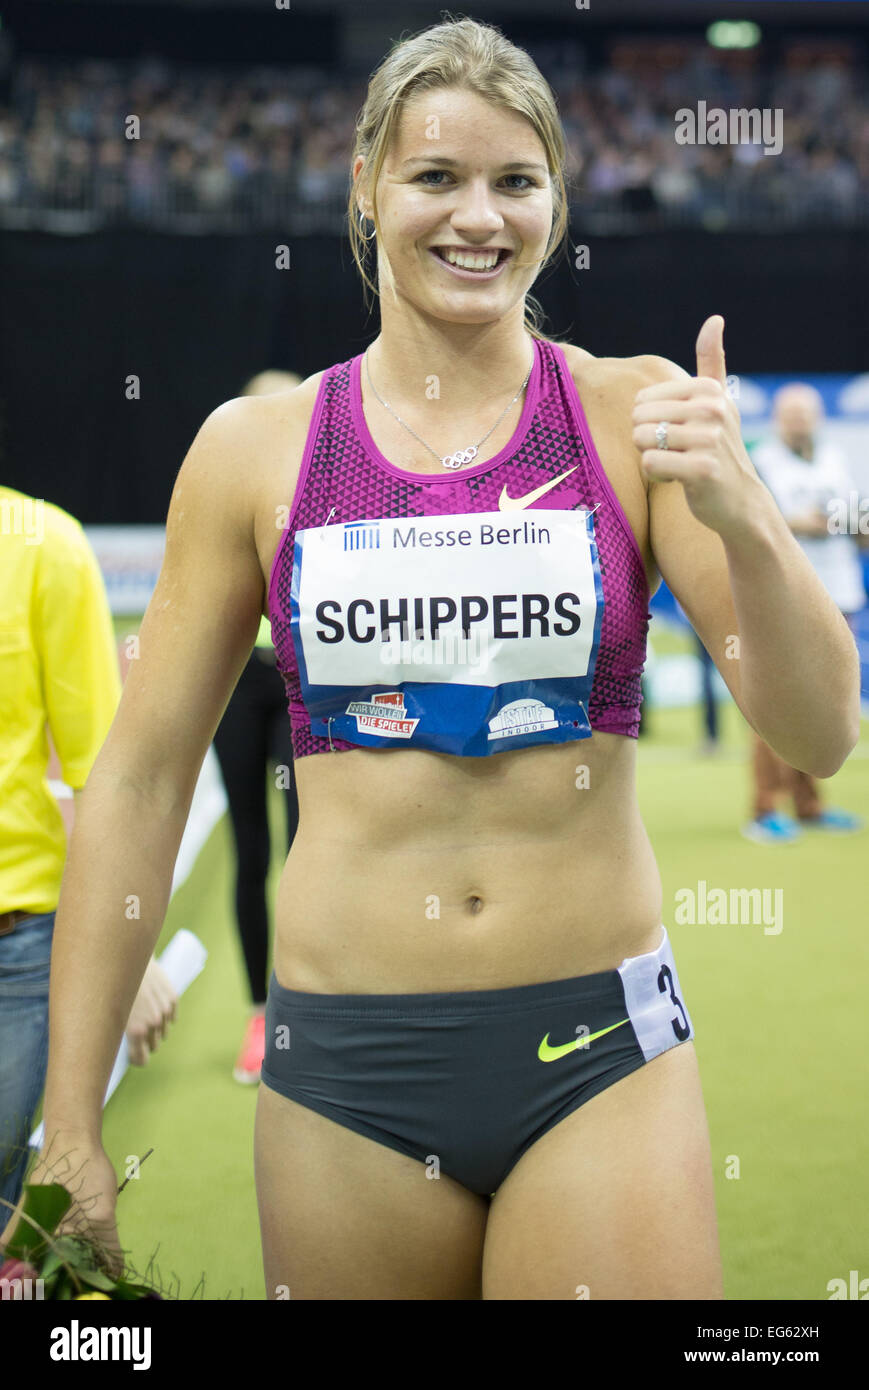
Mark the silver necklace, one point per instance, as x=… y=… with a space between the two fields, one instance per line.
x=461 y=456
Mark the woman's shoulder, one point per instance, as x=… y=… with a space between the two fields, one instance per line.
x=618 y=374
x=270 y=433
x=254 y=432
x=246 y=445
x=277 y=405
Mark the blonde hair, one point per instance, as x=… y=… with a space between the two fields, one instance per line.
x=476 y=58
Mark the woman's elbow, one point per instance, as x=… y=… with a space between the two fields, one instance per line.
x=831 y=765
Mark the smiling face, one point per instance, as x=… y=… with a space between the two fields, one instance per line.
x=465 y=206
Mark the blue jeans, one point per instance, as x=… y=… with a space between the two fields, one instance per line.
x=24 y=960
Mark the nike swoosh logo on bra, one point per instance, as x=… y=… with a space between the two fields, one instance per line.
x=551 y=1054
x=516 y=504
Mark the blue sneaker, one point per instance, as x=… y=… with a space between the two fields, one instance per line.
x=773 y=828
x=832 y=819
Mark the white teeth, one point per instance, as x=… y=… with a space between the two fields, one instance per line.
x=467 y=261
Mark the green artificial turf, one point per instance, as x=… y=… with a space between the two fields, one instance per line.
x=779 y=1018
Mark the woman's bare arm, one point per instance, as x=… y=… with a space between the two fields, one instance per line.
x=775 y=634
x=194 y=640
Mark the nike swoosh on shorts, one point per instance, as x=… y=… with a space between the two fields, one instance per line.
x=551 y=1054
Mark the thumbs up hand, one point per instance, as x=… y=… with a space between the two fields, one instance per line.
x=701 y=446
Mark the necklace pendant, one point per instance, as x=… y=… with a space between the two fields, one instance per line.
x=459 y=458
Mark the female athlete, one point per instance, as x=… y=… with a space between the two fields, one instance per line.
x=480 y=1079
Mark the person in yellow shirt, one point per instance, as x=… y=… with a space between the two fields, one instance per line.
x=58 y=674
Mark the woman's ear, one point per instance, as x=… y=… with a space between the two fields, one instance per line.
x=363 y=203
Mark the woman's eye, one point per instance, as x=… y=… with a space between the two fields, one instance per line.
x=439 y=173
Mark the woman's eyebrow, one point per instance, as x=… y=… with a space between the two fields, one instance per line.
x=444 y=160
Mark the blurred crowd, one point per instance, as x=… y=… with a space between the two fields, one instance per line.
x=154 y=141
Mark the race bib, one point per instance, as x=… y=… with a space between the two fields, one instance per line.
x=466 y=634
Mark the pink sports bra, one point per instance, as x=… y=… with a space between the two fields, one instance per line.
x=496 y=607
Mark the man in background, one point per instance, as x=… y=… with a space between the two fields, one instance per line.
x=58 y=674
x=804 y=475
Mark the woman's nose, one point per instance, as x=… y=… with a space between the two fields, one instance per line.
x=475 y=210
